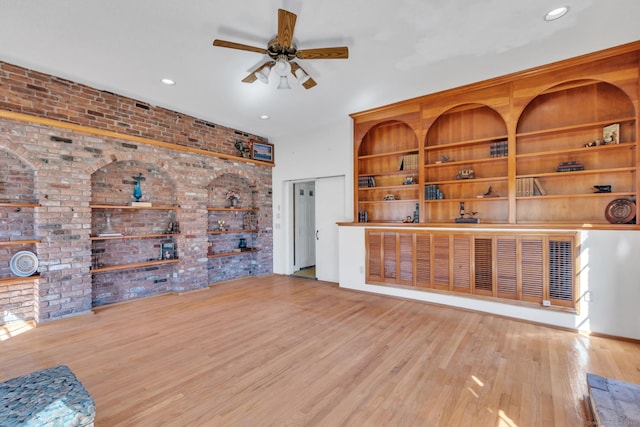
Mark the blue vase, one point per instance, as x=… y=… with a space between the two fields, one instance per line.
x=137 y=190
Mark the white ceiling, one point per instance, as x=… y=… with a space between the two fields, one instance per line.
x=399 y=49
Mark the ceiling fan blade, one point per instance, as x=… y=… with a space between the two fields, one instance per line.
x=309 y=83
x=250 y=78
x=239 y=46
x=324 y=53
x=286 y=25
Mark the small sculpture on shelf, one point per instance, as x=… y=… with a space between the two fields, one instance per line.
x=467 y=220
x=408 y=181
x=233 y=198
x=390 y=197
x=465 y=173
x=221 y=225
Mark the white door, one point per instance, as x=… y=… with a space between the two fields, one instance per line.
x=305 y=223
x=329 y=210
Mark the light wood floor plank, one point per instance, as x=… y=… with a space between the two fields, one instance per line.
x=285 y=351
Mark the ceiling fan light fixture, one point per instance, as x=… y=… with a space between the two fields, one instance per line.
x=282 y=66
x=301 y=76
x=263 y=74
x=284 y=83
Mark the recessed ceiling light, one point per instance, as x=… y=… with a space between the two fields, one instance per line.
x=264 y=117
x=168 y=82
x=556 y=13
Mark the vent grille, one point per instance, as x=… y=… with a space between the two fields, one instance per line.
x=560 y=270
x=532 y=269
x=375 y=261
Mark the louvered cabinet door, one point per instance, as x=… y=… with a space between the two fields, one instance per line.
x=441 y=261
x=483 y=283
x=532 y=281
x=390 y=257
x=462 y=263
x=423 y=260
x=407 y=260
x=507 y=267
x=373 y=243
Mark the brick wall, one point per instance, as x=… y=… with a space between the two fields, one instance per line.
x=68 y=171
x=43 y=95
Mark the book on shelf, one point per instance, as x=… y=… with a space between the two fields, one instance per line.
x=499 y=148
x=529 y=186
x=409 y=162
x=366 y=182
x=570 y=166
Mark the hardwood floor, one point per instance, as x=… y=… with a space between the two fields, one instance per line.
x=284 y=351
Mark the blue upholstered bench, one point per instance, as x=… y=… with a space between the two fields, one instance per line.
x=51 y=397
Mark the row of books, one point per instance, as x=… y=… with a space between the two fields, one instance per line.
x=366 y=182
x=409 y=162
x=499 y=148
x=570 y=166
x=432 y=192
x=529 y=187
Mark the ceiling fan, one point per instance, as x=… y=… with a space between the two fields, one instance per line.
x=282 y=51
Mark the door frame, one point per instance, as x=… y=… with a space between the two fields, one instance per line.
x=288 y=213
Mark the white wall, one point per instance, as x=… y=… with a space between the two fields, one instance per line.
x=323 y=152
x=609 y=282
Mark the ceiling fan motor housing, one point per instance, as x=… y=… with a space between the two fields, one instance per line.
x=275 y=51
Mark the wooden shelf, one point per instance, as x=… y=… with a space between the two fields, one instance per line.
x=14 y=280
x=231 y=231
x=234 y=209
x=391 y=173
x=582 y=172
x=469 y=181
x=390 y=201
x=19 y=242
x=134 y=207
x=391 y=187
x=134 y=236
x=19 y=205
x=134 y=265
x=578 y=195
x=389 y=153
x=465 y=199
x=225 y=254
x=466 y=162
x=467 y=142
x=581 y=150
x=580 y=126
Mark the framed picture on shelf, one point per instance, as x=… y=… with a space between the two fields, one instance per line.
x=167 y=250
x=262 y=151
x=611 y=134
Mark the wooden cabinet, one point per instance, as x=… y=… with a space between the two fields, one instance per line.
x=227 y=227
x=525 y=149
x=535 y=268
x=140 y=232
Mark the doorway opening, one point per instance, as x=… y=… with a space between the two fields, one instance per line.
x=315 y=206
x=304 y=226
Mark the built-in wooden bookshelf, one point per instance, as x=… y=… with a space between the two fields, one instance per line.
x=476 y=144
